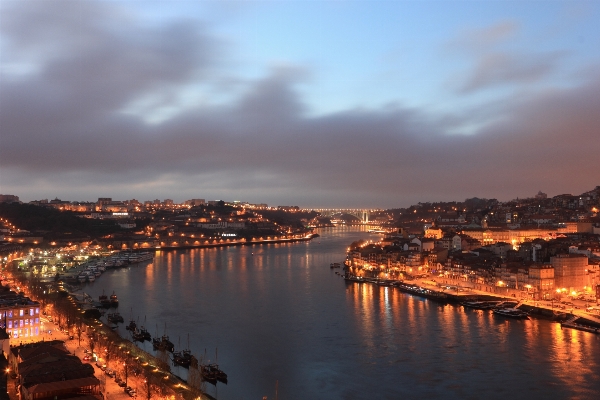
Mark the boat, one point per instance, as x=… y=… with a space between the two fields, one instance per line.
x=132 y=326
x=146 y=335
x=137 y=335
x=104 y=301
x=167 y=344
x=163 y=343
x=334 y=265
x=208 y=375
x=480 y=305
x=114 y=301
x=420 y=291
x=573 y=325
x=115 y=318
x=182 y=358
x=217 y=373
x=511 y=313
x=91 y=278
x=82 y=278
x=353 y=278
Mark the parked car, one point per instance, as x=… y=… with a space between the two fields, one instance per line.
x=132 y=393
x=122 y=384
x=110 y=372
x=86 y=358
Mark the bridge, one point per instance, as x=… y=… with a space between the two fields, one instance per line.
x=360 y=213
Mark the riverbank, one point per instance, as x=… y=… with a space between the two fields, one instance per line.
x=453 y=292
x=229 y=243
x=63 y=318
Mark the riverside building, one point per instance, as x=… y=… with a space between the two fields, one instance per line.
x=20 y=315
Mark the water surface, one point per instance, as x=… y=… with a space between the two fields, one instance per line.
x=281 y=318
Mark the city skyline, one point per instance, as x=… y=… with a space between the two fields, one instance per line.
x=308 y=103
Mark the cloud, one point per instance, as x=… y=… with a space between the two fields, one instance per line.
x=496 y=58
x=63 y=127
x=495 y=69
x=481 y=39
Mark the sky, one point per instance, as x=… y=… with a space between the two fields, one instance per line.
x=362 y=104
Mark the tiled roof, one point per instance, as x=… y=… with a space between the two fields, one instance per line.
x=61 y=385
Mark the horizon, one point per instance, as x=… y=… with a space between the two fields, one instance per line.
x=175 y=201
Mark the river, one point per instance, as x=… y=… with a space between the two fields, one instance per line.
x=285 y=324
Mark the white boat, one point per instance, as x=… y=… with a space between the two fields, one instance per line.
x=82 y=278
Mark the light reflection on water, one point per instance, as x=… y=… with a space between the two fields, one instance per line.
x=279 y=315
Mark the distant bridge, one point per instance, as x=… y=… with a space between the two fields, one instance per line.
x=360 y=213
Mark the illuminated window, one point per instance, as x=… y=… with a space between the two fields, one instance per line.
x=9 y=324
x=31 y=311
x=21 y=313
x=37 y=321
x=37 y=311
x=10 y=313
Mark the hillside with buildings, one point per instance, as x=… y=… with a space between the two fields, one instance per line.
x=540 y=247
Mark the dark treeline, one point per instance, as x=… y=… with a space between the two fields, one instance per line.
x=50 y=223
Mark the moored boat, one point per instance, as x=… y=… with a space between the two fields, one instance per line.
x=217 y=373
x=480 y=305
x=132 y=326
x=104 y=301
x=208 y=375
x=114 y=301
x=137 y=335
x=511 y=313
x=182 y=358
x=115 y=318
x=145 y=334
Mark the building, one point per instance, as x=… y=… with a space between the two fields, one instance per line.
x=46 y=370
x=8 y=198
x=195 y=202
x=570 y=271
x=20 y=316
x=541 y=279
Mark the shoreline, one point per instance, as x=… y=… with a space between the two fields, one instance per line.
x=419 y=288
x=214 y=245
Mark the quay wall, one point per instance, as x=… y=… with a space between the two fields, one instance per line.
x=135 y=247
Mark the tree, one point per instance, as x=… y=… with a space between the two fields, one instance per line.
x=163 y=360
x=151 y=385
x=194 y=381
x=92 y=345
x=79 y=331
